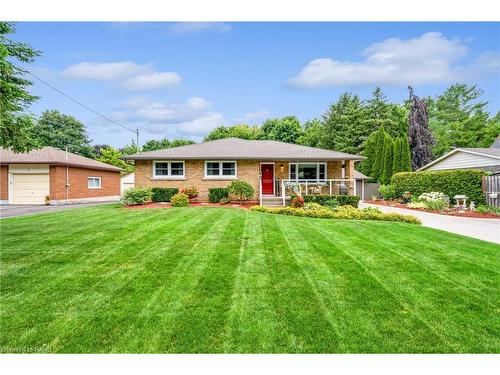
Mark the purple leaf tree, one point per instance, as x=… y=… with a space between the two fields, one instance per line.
x=419 y=136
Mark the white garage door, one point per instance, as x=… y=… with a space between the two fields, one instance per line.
x=29 y=188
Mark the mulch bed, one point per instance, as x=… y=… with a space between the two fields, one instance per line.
x=447 y=213
x=245 y=205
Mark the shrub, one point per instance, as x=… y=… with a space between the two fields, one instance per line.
x=191 y=192
x=451 y=183
x=342 y=200
x=372 y=210
x=224 y=201
x=331 y=203
x=387 y=192
x=434 y=200
x=241 y=188
x=136 y=196
x=313 y=206
x=484 y=209
x=180 y=200
x=297 y=202
x=343 y=212
x=216 y=195
x=159 y=194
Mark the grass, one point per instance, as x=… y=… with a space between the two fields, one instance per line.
x=107 y=279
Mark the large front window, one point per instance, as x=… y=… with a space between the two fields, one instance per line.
x=168 y=169
x=307 y=171
x=220 y=169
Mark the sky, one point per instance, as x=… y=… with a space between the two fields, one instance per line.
x=180 y=80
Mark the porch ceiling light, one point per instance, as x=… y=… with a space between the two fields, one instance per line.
x=282 y=168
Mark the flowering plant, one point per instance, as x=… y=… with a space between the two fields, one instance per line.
x=191 y=192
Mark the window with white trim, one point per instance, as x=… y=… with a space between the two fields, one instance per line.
x=220 y=169
x=94 y=182
x=168 y=169
x=307 y=171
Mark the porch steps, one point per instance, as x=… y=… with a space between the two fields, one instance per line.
x=273 y=201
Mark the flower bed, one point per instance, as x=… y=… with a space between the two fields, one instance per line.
x=245 y=205
x=448 y=212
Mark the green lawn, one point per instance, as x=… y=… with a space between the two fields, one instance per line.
x=108 y=279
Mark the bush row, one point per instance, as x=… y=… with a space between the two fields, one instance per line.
x=160 y=194
x=343 y=200
x=216 y=194
x=454 y=182
x=344 y=212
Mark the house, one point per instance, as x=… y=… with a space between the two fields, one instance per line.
x=127 y=181
x=274 y=169
x=56 y=176
x=487 y=159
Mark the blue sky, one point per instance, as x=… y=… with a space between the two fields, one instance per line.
x=181 y=80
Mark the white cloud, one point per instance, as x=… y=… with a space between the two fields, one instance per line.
x=190 y=118
x=196 y=27
x=151 y=81
x=430 y=58
x=488 y=62
x=253 y=116
x=127 y=74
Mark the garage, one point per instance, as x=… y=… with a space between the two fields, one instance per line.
x=29 y=184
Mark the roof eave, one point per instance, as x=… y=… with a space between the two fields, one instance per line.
x=104 y=168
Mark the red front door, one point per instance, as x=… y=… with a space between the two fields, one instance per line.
x=267 y=171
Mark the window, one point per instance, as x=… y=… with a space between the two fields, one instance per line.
x=220 y=169
x=94 y=182
x=168 y=169
x=307 y=171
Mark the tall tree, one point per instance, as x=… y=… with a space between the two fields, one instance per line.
x=396 y=157
x=405 y=155
x=14 y=96
x=98 y=149
x=243 y=131
x=379 y=112
x=419 y=136
x=111 y=155
x=385 y=176
x=344 y=125
x=154 y=144
x=286 y=129
x=459 y=118
x=58 y=130
x=374 y=153
x=313 y=132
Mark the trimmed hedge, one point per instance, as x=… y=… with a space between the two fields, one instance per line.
x=216 y=194
x=454 y=182
x=343 y=200
x=160 y=194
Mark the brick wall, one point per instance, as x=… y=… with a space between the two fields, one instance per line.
x=110 y=183
x=4 y=182
x=247 y=170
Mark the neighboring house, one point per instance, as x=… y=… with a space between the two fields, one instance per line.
x=273 y=168
x=360 y=184
x=127 y=181
x=487 y=159
x=29 y=178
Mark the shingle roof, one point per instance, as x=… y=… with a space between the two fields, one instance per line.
x=51 y=155
x=360 y=176
x=238 y=149
x=485 y=151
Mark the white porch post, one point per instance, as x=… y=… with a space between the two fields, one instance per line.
x=330 y=187
x=283 y=192
x=354 y=187
x=260 y=190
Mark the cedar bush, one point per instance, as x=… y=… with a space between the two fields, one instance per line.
x=136 y=196
x=216 y=194
x=159 y=194
x=323 y=199
x=451 y=183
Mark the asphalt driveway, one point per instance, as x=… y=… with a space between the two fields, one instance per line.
x=13 y=210
x=483 y=229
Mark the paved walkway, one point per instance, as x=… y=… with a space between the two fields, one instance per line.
x=11 y=210
x=483 y=229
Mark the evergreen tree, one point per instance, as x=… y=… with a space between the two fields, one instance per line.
x=385 y=176
x=396 y=158
x=370 y=149
x=405 y=155
x=379 y=112
x=344 y=125
x=419 y=136
x=378 y=160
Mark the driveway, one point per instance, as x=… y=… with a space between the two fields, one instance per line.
x=483 y=229
x=12 y=210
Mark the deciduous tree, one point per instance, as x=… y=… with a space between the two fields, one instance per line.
x=419 y=135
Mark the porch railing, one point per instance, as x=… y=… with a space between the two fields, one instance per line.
x=339 y=186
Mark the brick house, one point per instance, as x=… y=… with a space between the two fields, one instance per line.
x=273 y=168
x=29 y=178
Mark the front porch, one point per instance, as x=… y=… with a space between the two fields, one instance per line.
x=279 y=181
